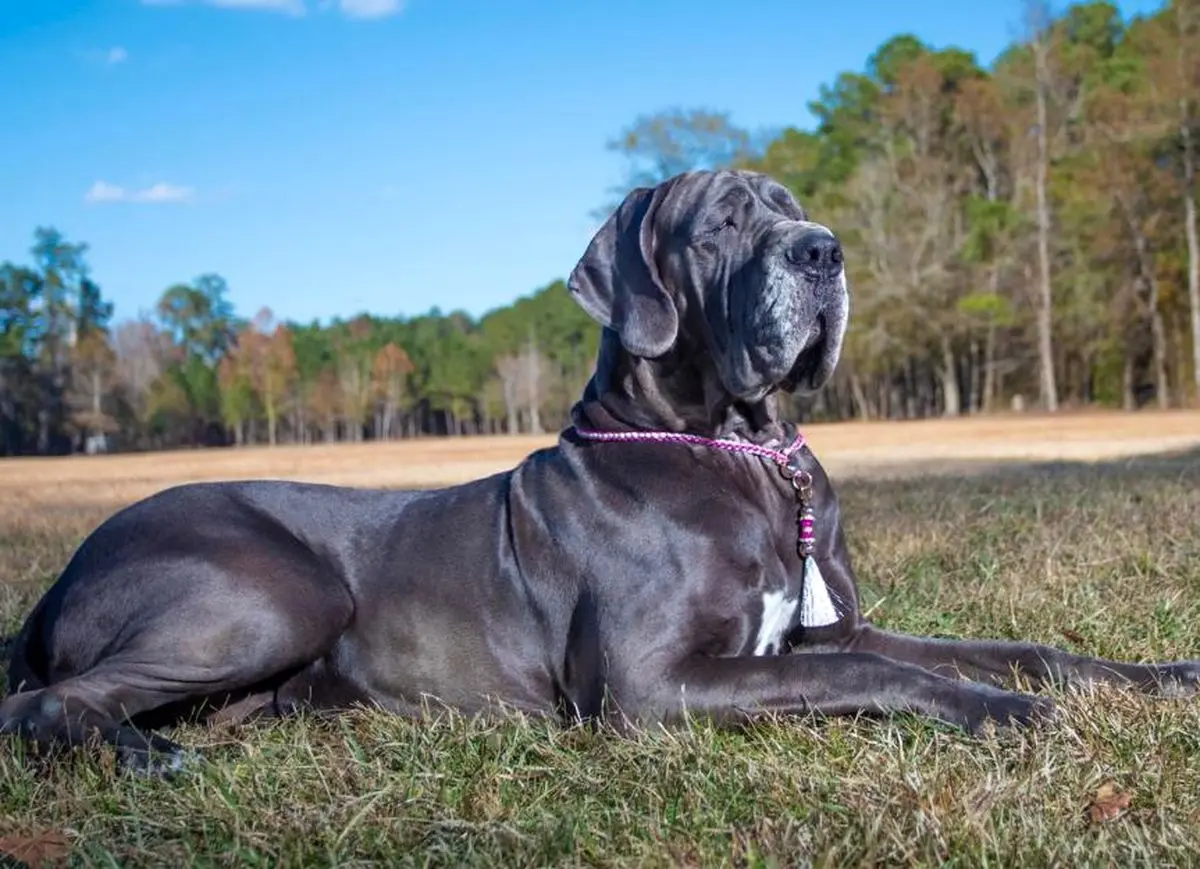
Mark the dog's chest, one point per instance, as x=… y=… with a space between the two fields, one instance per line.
x=811 y=606
x=778 y=610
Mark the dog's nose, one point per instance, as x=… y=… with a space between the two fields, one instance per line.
x=817 y=251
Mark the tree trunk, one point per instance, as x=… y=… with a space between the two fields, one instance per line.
x=975 y=377
x=910 y=390
x=1128 y=400
x=1158 y=334
x=1193 y=248
x=951 y=396
x=1189 y=188
x=95 y=402
x=43 y=437
x=534 y=361
x=860 y=398
x=1045 y=307
x=989 y=368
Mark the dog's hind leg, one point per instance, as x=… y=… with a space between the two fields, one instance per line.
x=217 y=636
x=99 y=705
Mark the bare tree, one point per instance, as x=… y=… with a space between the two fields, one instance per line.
x=1037 y=17
x=508 y=369
x=1186 y=121
x=907 y=197
x=522 y=376
x=390 y=382
x=532 y=370
x=143 y=352
x=354 y=369
x=1183 y=84
x=93 y=366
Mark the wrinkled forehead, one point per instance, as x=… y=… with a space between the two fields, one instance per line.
x=700 y=196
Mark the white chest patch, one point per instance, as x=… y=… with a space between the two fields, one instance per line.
x=777 y=615
x=816 y=610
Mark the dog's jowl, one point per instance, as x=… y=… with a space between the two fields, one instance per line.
x=653 y=563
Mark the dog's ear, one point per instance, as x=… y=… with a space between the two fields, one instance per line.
x=617 y=282
x=778 y=197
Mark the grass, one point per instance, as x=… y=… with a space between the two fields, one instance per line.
x=1103 y=559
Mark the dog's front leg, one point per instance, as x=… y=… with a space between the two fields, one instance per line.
x=983 y=660
x=997 y=661
x=735 y=689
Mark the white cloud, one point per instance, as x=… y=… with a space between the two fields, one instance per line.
x=162 y=192
x=369 y=9
x=115 y=55
x=102 y=191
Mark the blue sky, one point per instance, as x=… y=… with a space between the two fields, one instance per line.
x=334 y=156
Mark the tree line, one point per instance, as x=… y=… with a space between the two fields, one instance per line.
x=192 y=372
x=1019 y=235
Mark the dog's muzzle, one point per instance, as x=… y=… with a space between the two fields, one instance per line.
x=817 y=254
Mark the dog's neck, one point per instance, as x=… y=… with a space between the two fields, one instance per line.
x=672 y=393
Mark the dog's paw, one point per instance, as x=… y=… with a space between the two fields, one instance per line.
x=157 y=763
x=992 y=707
x=1178 y=679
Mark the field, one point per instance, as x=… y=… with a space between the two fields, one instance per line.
x=1082 y=531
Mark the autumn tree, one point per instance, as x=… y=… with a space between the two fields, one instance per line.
x=1120 y=126
x=908 y=196
x=276 y=371
x=389 y=378
x=1170 y=45
x=238 y=399
x=262 y=360
x=325 y=403
x=93 y=377
x=1038 y=19
x=355 y=361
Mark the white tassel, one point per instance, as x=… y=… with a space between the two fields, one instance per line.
x=816 y=607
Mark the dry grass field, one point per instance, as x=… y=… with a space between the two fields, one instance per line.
x=845 y=449
x=1079 y=530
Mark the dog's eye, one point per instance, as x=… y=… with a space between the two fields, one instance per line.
x=727 y=223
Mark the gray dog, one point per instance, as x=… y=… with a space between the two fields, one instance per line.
x=678 y=552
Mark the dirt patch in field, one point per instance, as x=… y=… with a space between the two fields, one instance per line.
x=846 y=449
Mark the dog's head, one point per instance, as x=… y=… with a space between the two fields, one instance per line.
x=724 y=267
